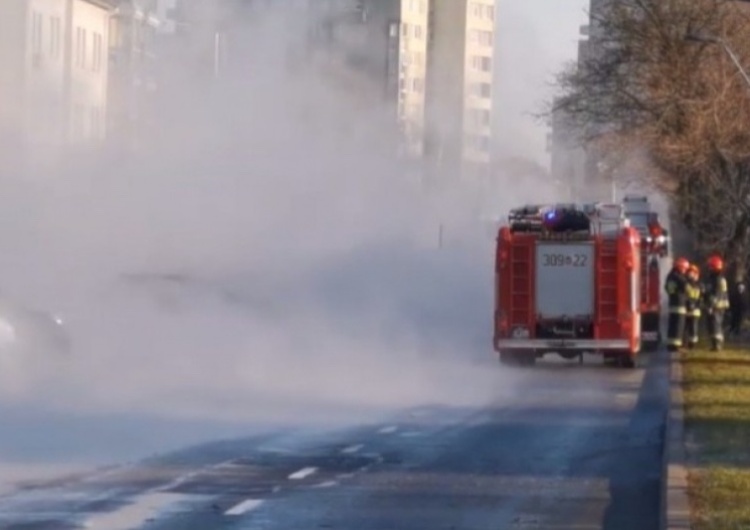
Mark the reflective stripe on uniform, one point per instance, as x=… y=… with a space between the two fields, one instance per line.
x=674 y=342
x=719 y=336
x=696 y=313
x=678 y=310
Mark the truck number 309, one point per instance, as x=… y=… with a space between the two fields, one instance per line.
x=564 y=260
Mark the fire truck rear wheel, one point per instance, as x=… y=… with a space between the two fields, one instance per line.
x=517 y=358
x=625 y=360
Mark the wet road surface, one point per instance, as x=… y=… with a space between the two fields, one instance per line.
x=573 y=447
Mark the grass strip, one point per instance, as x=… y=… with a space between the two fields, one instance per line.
x=717 y=428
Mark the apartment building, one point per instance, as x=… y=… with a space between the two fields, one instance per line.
x=88 y=69
x=385 y=43
x=411 y=59
x=459 y=86
x=133 y=70
x=53 y=72
x=435 y=58
x=579 y=171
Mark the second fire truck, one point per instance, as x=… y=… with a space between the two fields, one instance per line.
x=654 y=247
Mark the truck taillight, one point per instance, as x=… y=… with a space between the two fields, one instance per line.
x=502 y=321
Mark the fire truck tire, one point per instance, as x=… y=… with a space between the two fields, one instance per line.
x=626 y=360
x=517 y=358
x=652 y=345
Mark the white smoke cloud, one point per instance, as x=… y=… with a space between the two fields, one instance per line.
x=262 y=257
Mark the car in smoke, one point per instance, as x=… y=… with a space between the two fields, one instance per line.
x=29 y=331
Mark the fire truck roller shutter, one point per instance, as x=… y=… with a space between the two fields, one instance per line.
x=565 y=279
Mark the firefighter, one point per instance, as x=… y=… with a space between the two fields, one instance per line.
x=693 y=306
x=737 y=308
x=676 y=287
x=717 y=301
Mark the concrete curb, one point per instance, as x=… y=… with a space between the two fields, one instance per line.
x=675 y=506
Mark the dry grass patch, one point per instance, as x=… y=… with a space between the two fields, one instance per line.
x=717 y=423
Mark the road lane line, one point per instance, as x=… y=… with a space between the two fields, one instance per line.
x=327 y=484
x=244 y=507
x=138 y=512
x=352 y=449
x=410 y=434
x=303 y=473
x=388 y=430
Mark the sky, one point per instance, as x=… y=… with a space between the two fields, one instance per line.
x=536 y=38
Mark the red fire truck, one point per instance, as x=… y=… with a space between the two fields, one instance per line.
x=567 y=281
x=654 y=247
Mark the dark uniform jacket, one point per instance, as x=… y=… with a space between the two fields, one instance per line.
x=676 y=287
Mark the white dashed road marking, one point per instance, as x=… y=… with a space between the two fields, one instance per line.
x=244 y=507
x=352 y=449
x=410 y=434
x=303 y=473
x=388 y=430
x=328 y=484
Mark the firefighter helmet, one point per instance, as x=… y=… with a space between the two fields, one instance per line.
x=715 y=263
x=693 y=270
x=682 y=265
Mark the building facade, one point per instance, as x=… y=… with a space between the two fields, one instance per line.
x=577 y=169
x=435 y=60
x=460 y=86
x=87 y=70
x=53 y=74
x=133 y=70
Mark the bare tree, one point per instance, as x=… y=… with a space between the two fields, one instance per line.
x=675 y=109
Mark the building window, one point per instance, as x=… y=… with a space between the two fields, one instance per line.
x=479 y=118
x=418 y=32
x=480 y=10
x=80 y=48
x=417 y=85
x=482 y=37
x=36 y=32
x=54 y=37
x=482 y=63
x=97 y=53
x=405 y=30
x=481 y=90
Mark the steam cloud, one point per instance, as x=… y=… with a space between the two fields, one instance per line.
x=262 y=257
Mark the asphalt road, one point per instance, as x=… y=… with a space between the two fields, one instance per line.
x=572 y=447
